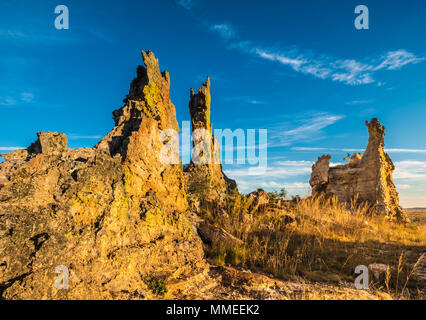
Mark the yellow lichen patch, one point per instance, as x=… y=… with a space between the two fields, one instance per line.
x=120 y=208
x=153 y=98
x=86 y=206
x=184 y=227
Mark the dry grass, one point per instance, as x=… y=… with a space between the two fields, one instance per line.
x=318 y=239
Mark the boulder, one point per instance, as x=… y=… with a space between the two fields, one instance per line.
x=257 y=199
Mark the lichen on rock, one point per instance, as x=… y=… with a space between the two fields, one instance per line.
x=204 y=176
x=113 y=215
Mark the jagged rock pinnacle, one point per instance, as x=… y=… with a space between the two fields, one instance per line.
x=210 y=170
x=367 y=178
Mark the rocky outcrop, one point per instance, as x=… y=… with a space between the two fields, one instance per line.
x=366 y=178
x=115 y=215
x=204 y=175
x=257 y=199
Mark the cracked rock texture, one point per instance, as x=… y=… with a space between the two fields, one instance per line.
x=204 y=175
x=366 y=178
x=114 y=215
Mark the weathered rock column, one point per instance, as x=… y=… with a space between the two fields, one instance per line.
x=367 y=178
x=204 y=174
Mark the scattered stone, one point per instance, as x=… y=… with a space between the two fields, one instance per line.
x=257 y=199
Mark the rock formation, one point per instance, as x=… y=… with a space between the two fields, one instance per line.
x=113 y=215
x=366 y=178
x=257 y=199
x=204 y=174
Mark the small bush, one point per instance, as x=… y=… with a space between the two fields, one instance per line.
x=157 y=286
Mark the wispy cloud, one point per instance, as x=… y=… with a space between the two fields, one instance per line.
x=19 y=37
x=27 y=96
x=10 y=148
x=224 y=30
x=280 y=174
x=356 y=102
x=7 y=101
x=283 y=169
x=403 y=186
x=187 y=4
x=308 y=129
x=389 y=150
x=23 y=97
x=397 y=59
x=101 y=36
x=38 y=35
x=401 y=150
x=80 y=137
x=410 y=169
x=243 y=99
x=410 y=180
x=347 y=71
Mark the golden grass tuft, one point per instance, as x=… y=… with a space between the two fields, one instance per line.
x=317 y=239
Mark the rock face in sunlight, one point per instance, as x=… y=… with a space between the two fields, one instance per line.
x=366 y=178
x=124 y=220
x=204 y=174
x=114 y=215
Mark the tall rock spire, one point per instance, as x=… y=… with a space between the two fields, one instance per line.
x=367 y=178
x=115 y=215
x=204 y=174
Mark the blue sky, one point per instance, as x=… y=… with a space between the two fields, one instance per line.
x=297 y=68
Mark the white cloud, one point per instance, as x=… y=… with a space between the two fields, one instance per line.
x=356 y=102
x=295 y=63
x=34 y=36
x=282 y=169
x=411 y=170
x=27 y=96
x=413 y=201
x=244 y=99
x=397 y=59
x=308 y=129
x=10 y=148
x=293 y=188
x=394 y=150
x=225 y=30
x=347 y=71
x=78 y=137
x=8 y=101
x=187 y=4
x=389 y=150
x=403 y=186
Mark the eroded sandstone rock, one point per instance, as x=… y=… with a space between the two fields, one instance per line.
x=366 y=178
x=257 y=199
x=114 y=215
x=204 y=175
